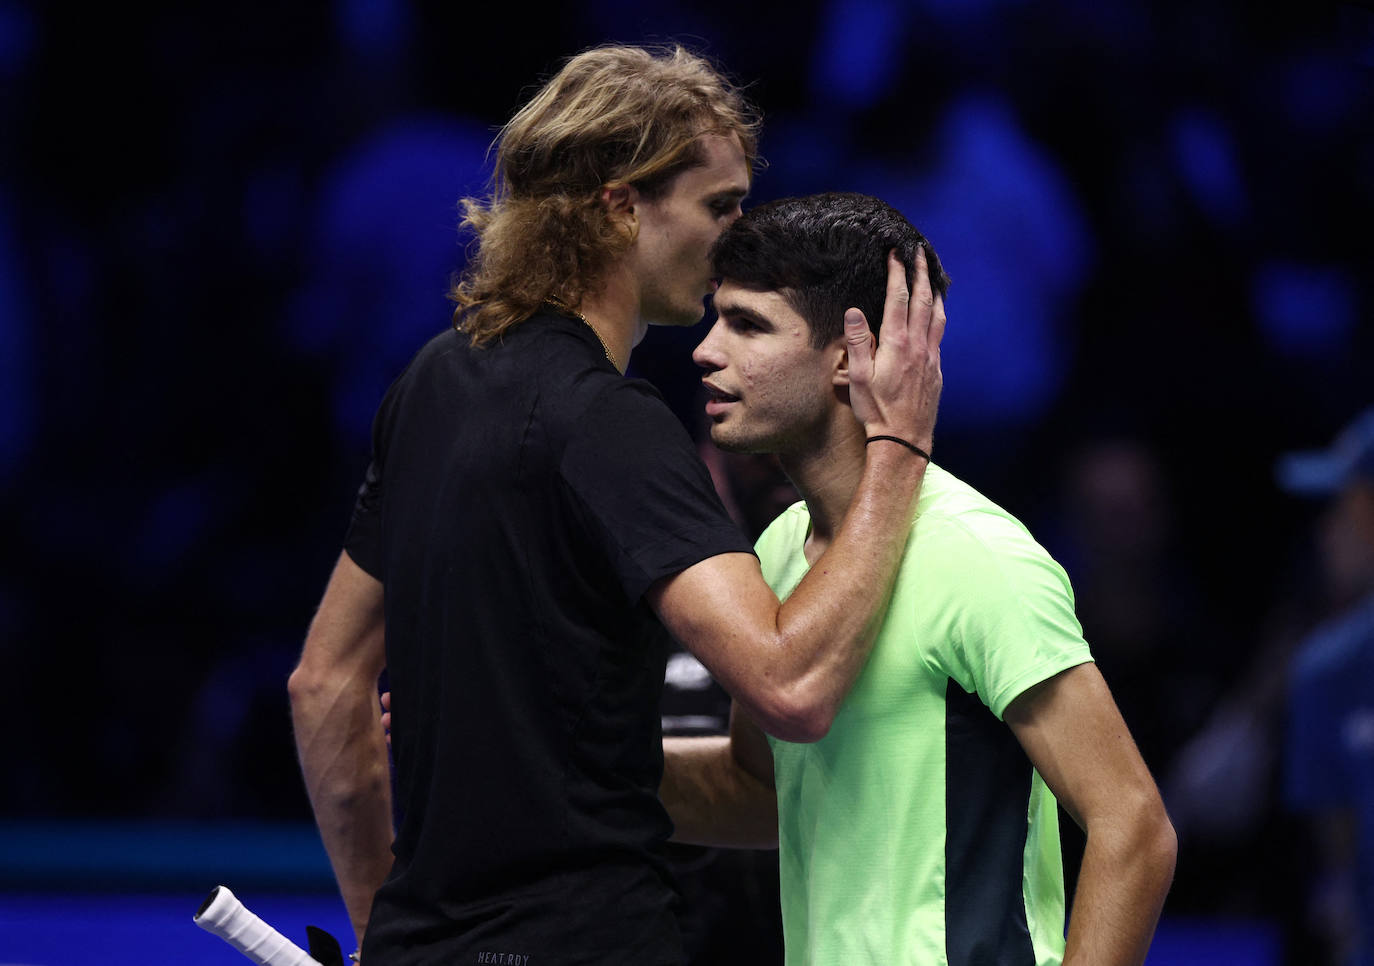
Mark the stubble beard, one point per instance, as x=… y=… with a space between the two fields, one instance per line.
x=737 y=440
x=728 y=441
x=679 y=316
x=787 y=437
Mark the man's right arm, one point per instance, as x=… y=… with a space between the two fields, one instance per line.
x=791 y=665
x=719 y=790
x=339 y=736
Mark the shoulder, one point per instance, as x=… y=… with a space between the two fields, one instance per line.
x=786 y=534
x=974 y=544
x=786 y=524
x=430 y=357
x=423 y=370
x=558 y=353
x=993 y=608
x=618 y=435
x=568 y=364
x=558 y=370
x=956 y=508
x=780 y=545
x=627 y=415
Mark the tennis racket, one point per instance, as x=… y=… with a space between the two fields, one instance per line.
x=225 y=916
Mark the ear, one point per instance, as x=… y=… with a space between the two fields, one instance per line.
x=620 y=201
x=837 y=351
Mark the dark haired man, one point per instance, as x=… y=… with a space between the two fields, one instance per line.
x=922 y=827
x=531 y=521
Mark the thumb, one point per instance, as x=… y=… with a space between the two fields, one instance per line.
x=859 y=340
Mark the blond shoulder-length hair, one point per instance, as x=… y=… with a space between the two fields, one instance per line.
x=612 y=116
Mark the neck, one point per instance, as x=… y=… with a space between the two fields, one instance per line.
x=613 y=312
x=827 y=475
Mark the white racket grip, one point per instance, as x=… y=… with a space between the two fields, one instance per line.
x=230 y=920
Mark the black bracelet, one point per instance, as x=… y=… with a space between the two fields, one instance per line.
x=897 y=439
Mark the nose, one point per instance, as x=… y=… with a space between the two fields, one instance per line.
x=707 y=353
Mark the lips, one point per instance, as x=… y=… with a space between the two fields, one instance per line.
x=717 y=394
x=718 y=400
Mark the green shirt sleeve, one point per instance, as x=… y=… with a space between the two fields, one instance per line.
x=1012 y=606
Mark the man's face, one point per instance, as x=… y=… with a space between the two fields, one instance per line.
x=769 y=390
x=677 y=229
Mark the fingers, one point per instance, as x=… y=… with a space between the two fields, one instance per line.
x=937 y=322
x=859 y=340
x=921 y=312
x=386 y=715
x=897 y=301
x=895 y=385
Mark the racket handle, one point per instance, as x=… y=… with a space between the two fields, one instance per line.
x=222 y=914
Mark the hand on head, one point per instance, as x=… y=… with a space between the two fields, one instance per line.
x=894 y=388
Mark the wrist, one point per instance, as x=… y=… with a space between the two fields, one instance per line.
x=892 y=473
x=910 y=430
x=920 y=452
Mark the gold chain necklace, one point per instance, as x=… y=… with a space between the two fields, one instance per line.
x=567 y=309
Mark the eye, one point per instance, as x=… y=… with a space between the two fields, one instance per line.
x=724 y=206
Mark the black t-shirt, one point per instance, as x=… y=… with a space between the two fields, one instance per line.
x=521 y=499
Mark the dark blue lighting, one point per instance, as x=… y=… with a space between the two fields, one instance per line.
x=1306 y=310
x=17 y=38
x=1206 y=160
x=376 y=27
x=857 y=54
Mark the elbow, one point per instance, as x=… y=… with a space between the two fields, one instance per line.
x=1157 y=857
x=311 y=688
x=808 y=726
x=795 y=716
x=303 y=685
x=1148 y=841
x=1155 y=839
x=321 y=676
x=790 y=698
x=1164 y=846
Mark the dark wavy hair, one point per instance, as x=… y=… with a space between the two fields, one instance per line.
x=823 y=253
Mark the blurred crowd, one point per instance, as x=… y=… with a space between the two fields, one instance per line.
x=223 y=232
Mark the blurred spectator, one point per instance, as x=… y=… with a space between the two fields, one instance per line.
x=1137 y=596
x=1328 y=770
x=382 y=241
x=1153 y=633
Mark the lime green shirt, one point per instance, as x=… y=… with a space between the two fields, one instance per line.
x=917 y=831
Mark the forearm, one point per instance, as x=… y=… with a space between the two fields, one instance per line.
x=712 y=800
x=1122 y=883
x=343 y=757
x=828 y=623
x=791 y=665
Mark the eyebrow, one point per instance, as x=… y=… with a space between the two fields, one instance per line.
x=733 y=310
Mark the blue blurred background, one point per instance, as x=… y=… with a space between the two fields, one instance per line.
x=224 y=230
